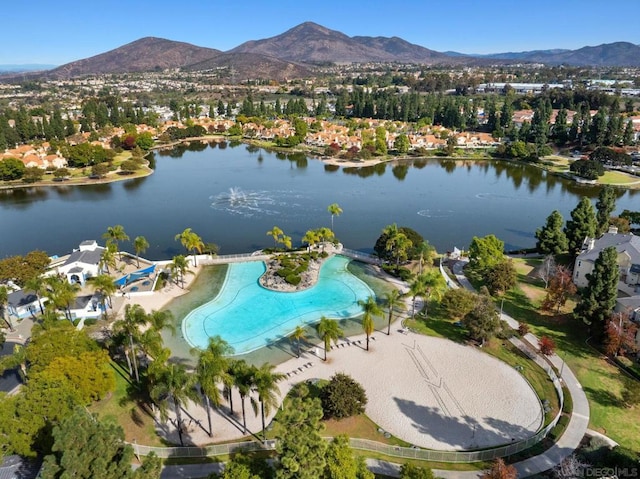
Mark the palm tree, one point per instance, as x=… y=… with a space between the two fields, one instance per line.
x=4 y=306
x=324 y=235
x=417 y=288
x=62 y=294
x=435 y=286
x=114 y=235
x=276 y=233
x=243 y=379
x=298 y=334
x=108 y=257
x=334 y=210
x=38 y=285
x=394 y=300
x=212 y=366
x=180 y=267
x=370 y=309
x=159 y=320
x=191 y=242
x=426 y=252
x=104 y=285
x=329 y=330
x=397 y=245
x=172 y=383
x=311 y=238
x=129 y=326
x=265 y=383
x=140 y=244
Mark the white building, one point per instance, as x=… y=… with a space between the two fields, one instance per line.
x=83 y=263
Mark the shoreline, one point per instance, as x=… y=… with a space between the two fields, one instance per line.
x=312 y=153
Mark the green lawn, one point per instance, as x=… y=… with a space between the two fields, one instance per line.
x=617 y=178
x=601 y=381
x=124 y=408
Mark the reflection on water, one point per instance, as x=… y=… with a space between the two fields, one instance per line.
x=231 y=199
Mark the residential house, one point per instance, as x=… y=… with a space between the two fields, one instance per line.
x=83 y=263
x=628 y=248
x=22 y=304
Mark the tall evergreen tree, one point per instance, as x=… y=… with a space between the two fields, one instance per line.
x=598 y=298
x=581 y=225
x=604 y=206
x=551 y=237
x=103 y=454
x=300 y=446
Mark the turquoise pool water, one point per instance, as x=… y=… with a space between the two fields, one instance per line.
x=249 y=317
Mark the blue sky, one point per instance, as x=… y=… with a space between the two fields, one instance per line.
x=57 y=32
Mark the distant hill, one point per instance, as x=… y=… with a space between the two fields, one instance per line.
x=283 y=56
x=238 y=67
x=400 y=50
x=508 y=55
x=313 y=43
x=30 y=67
x=146 y=54
x=608 y=54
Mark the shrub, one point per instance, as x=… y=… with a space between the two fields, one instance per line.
x=547 y=345
x=343 y=397
x=293 y=279
x=523 y=329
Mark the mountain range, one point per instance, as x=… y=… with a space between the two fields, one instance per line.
x=293 y=53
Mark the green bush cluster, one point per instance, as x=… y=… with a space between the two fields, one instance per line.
x=291 y=267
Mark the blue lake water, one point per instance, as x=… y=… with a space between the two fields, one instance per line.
x=233 y=195
x=249 y=317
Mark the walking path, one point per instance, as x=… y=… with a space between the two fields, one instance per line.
x=578 y=423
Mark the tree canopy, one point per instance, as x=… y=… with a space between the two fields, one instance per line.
x=581 y=225
x=598 y=298
x=484 y=253
x=551 y=238
x=343 y=397
x=86 y=448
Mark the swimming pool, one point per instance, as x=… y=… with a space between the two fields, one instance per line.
x=249 y=317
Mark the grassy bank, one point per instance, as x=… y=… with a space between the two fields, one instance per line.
x=602 y=382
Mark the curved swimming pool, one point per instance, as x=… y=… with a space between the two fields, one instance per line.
x=249 y=317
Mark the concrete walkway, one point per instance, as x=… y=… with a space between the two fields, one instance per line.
x=578 y=423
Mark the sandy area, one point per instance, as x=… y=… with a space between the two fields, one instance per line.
x=430 y=392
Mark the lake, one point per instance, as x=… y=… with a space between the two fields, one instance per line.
x=233 y=195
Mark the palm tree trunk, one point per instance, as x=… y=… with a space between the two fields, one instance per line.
x=208 y=406
x=231 y=399
x=325 y=351
x=126 y=355
x=133 y=358
x=389 y=324
x=138 y=259
x=195 y=258
x=298 y=343
x=244 y=416
x=264 y=428
x=40 y=304
x=176 y=405
x=367 y=341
